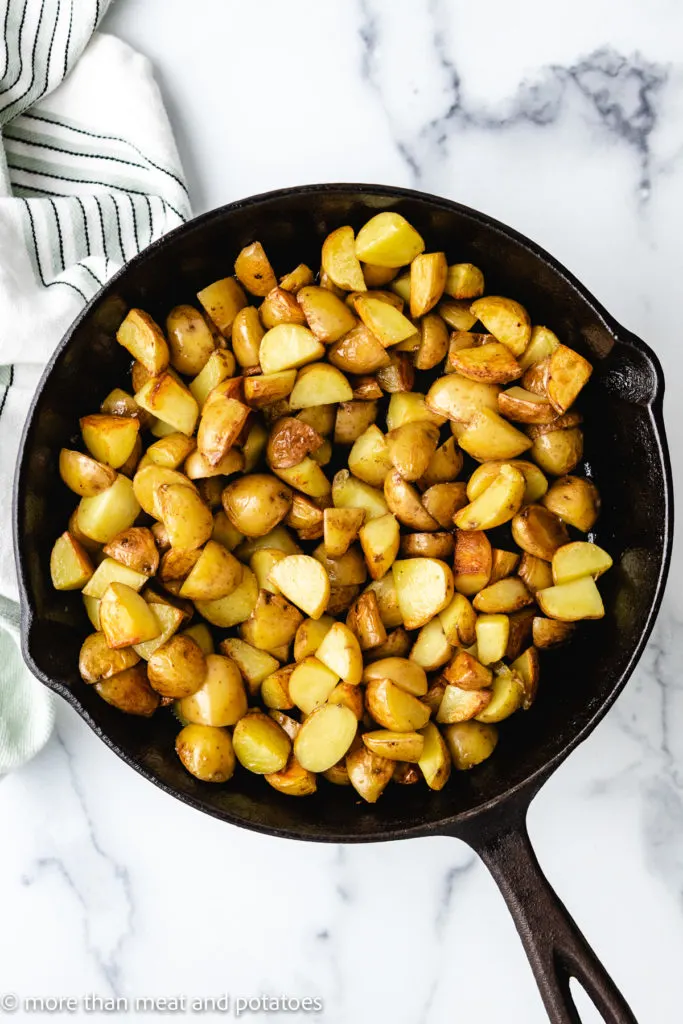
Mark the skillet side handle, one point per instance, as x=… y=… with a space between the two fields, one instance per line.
x=556 y=948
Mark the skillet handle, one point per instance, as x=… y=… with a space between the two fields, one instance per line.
x=556 y=948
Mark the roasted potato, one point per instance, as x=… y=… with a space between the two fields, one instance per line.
x=473 y=561
x=253 y=270
x=84 y=475
x=539 y=531
x=424 y=587
x=144 y=340
x=304 y=582
x=261 y=745
x=325 y=737
x=388 y=240
x=70 y=565
x=256 y=503
x=575 y=500
x=98 y=661
x=189 y=339
x=290 y=441
x=459 y=398
x=177 y=668
x=129 y=691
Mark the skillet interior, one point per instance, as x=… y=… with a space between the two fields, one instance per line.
x=625 y=454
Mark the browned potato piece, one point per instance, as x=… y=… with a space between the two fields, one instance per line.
x=236 y=607
x=428 y=273
x=497 y=504
x=394 y=708
x=189 y=339
x=70 y=565
x=506 y=596
x=407 y=674
x=521 y=624
x=247 y=333
x=411 y=447
x=473 y=561
x=223 y=300
x=464 y=281
x=177 y=563
x=578 y=559
x=365 y=621
x=327 y=316
x=470 y=743
x=340 y=528
x=275 y=689
x=568 y=372
x=442 y=501
x=297 y=278
x=177 y=668
x=489 y=436
x=345 y=570
x=253 y=270
x=144 y=340
x=84 y=475
x=366 y=389
x=171 y=401
x=379 y=540
x=427 y=545
x=575 y=500
x=289 y=345
x=129 y=691
x=353 y=419
x=570 y=602
x=535 y=483
x=136 y=549
x=433 y=342
x=543 y=343
x=493 y=634
x=444 y=465
x=280 y=307
x=525 y=407
x=256 y=503
x=396 y=645
x=206 y=752
x=305 y=517
x=98 y=661
x=528 y=669
x=308 y=478
x=110 y=439
x=121 y=403
x=188 y=521
x=325 y=736
x=388 y=240
x=272 y=624
x=434 y=695
x=340 y=261
x=551 y=632
x=459 y=705
x=404 y=501
x=369 y=458
x=398 y=375
x=125 y=617
x=491 y=363
x=169 y=451
x=220 y=426
x=503 y=564
x=506 y=320
x=215 y=574
x=219 y=367
x=456 y=313
x=539 y=531
x=221 y=700
x=290 y=441
x=467 y=673
x=460 y=398
x=431 y=649
x=406 y=406
x=359 y=351
x=369 y=773
x=463 y=339
x=397 y=746
x=319 y=384
x=376 y=276
x=268 y=388
x=424 y=587
x=304 y=581
x=293 y=779
x=458 y=621
x=536 y=572
x=559 y=451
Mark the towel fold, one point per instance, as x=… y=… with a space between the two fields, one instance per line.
x=89 y=175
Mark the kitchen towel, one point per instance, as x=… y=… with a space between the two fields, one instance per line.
x=89 y=175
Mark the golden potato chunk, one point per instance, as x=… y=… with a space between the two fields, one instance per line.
x=253 y=270
x=349 y=492
x=98 y=661
x=580 y=558
x=369 y=773
x=206 y=752
x=507 y=695
x=492 y=632
x=293 y=779
x=290 y=441
x=327 y=316
x=464 y=281
x=325 y=737
x=539 y=531
x=129 y=691
x=394 y=708
x=404 y=501
x=236 y=607
x=84 y=475
x=136 y=549
x=428 y=273
x=470 y=743
x=369 y=457
x=503 y=597
x=424 y=587
x=570 y=602
x=458 y=622
x=411 y=447
x=501 y=500
x=223 y=300
x=359 y=351
x=459 y=705
x=466 y=672
x=380 y=540
x=388 y=240
x=304 y=582
x=219 y=366
x=397 y=746
x=459 y=398
x=125 y=617
x=506 y=320
x=188 y=521
x=442 y=501
x=110 y=439
x=575 y=500
x=535 y=484
x=177 y=668
x=144 y=340
x=435 y=760
x=551 y=632
x=320 y=384
x=255 y=504
x=473 y=561
x=568 y=372
x=388 y=324
x=215 y=574
x=341 y=527
x=189 y=339
x=341 y=653
x=221 y=699
x=491 y=363
x=70 y=565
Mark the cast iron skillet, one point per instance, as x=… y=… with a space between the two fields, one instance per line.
x=625 y=452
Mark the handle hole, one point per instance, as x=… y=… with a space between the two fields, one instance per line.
x=588 y=1012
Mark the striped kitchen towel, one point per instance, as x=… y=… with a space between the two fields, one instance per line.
x=89 y=175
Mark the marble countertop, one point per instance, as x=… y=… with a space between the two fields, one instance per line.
x=565 y=122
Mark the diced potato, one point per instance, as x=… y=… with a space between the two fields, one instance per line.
x=428 y=273
x=528 y=669
x=310 y=635
x=542 y=344
x=459 y=398
x=111 y=571
x=492 y=632
x=525 y=407
x=169 y=451
x=568 y=372
x=279 y=538
x=427 y=545
x=473 y=561
x=341 y=653
x=535 y=572
x=110 y=439
x=325 y=737
x=396 y=645
x=290 y=442
x=293 y=779
x=352 y=420
x=129 y=691
x=288 y=346
x=223 y=300
x=206 y=752
x=507 y=695
x=411 y=446
x=272 y=624
x=70 y=565
x=125 y=617
x=365 y=621
x=559 y=451
x=369 y=773
x=306 y=477
x=404 y=501
x=169 y=620
x=431 y=650
x=304 y=582
x=255 y=504
x=359 y=351
x=503 y=564
x=216 y=574
x=578 y=559
x=501 y=500
x=535 y=483
x=570 y=602
x=376 y=276
x=261 y=562
x=247 y=332
x=442 y=501
x=320 y=384
x=458 y=621
x=491 y=363
x=575 y=500
x=268 y=388
x=275 y=689
x=261 y=746
x=104 y=515
x=189 y=339
x=397 y=746
x=380 y=543
x=398 y=376
x=143 y=338
x=328 y=317
x=188 y=521
x=460 y=705
x=224 y=532
x=551 y=632
x=253 y=663
x=456 y=313
x=388 y=240
x=236 y=607
x=340 y=529
x=539 y=531
x=435 y=761
x=177 y=668
x=503 y=597
x=407 y=675
x=506 y=320
x=305 y=517
x=466 y=672
x=98 y=661
x=464 y=281
x=394 y=708
x=169 y=400
x=84 y=475
x=349 y=492
x=470 y=743
x=387 y=324
x=387 y=600
x=219 y=366
x=176 y=564
x=92 y=610
x=147 y=482
x=340 y=261
x=489 y=436
x=369 y=457
x=424 y=587
x=253 y=270
x=311 y=683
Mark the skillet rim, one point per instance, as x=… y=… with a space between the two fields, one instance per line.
x=456 y=824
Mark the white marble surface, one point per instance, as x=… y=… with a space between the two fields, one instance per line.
x=563 y=120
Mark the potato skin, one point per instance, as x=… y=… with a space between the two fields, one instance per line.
x=98 y=661
x=177 y=668
x=256 y=504
x=290 y=442
x=129 y=691
x=206 y=752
